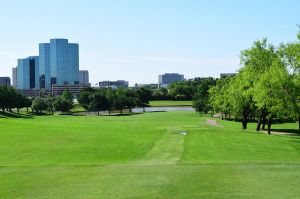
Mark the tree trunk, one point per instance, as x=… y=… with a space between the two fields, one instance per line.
x=264 y=123
x=18 y=111
x=270 y=124
x=259 y=122
x=244 y=122
x=246 y=113
x=143 y=108
x=98 y=112
x=109 y=111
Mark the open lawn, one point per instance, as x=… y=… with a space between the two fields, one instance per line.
x=170 y=103
x=144 y=156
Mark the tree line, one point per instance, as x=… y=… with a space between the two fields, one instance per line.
x=266 y=87
x=11 y=99
x=107 y=99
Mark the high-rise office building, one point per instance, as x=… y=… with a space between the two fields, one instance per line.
x=83 y=77
x=59 y=63
x=168 y=78
x=14 y=77
x=28 y=73
x=5 y=81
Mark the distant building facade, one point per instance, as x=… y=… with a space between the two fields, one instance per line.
x=168 y=78
x=74 y=89
x=59 y=63
x=5 y=81
x=224 y=75
x=84 y=77
x=114 y=84
x=15 y=77
x=28 y=73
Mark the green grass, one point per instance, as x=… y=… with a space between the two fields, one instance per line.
x=144 y=156
x=170 y=103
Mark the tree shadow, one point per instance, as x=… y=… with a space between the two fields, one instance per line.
x=15 y=115
x=120 y=115
x=294 y=131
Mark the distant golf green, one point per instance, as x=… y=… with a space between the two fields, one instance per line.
x=151 y=155
x=170 y=103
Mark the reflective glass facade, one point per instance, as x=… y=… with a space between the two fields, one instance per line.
x=28 y=70
x=59 y=63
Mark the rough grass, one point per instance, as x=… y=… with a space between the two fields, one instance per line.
x=144 y=156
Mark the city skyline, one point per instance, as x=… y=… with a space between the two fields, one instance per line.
x=137 y=41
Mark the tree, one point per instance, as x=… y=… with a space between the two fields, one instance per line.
x=28 y=103
x=143 y=97
x=98 y=102
x=131 y=99
x=120 y=100
x=201 y=105
x=39 y=105
x=272 y=92
x=181 y=91
x=110 y=95
x=84 y=98
x=66 y=95
x=63 y=105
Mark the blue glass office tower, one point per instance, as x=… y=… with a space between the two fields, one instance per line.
x=28 y=73
x=59 y=63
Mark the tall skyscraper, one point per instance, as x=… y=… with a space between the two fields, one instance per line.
x=44 y=73
x=83 y=77
x=59 y=63
x=14 y=77
x=28 y=73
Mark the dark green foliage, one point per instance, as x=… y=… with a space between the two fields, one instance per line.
x=201 y=105
x=143 y=97
x=66 y=95
x=63 y=105
x=39 y=105
x=98 y=101
x=10 y=98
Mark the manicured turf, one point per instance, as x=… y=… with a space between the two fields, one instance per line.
x=170 y=103
x=144 y=156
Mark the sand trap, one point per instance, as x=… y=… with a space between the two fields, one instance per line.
x=183 y=133
x=213 y=123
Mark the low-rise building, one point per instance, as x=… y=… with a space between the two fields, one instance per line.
x=5 y=81
x=168 y=78
x=74 y=89
x=84 y=77
x=114 y=84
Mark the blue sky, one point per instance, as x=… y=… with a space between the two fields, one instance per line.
x=136 y=40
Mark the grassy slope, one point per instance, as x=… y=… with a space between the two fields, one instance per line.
x=144 y=156
x=170 y=103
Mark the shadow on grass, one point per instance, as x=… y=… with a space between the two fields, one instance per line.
x=120 y=115
x=15 y=115
x=294 y=131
